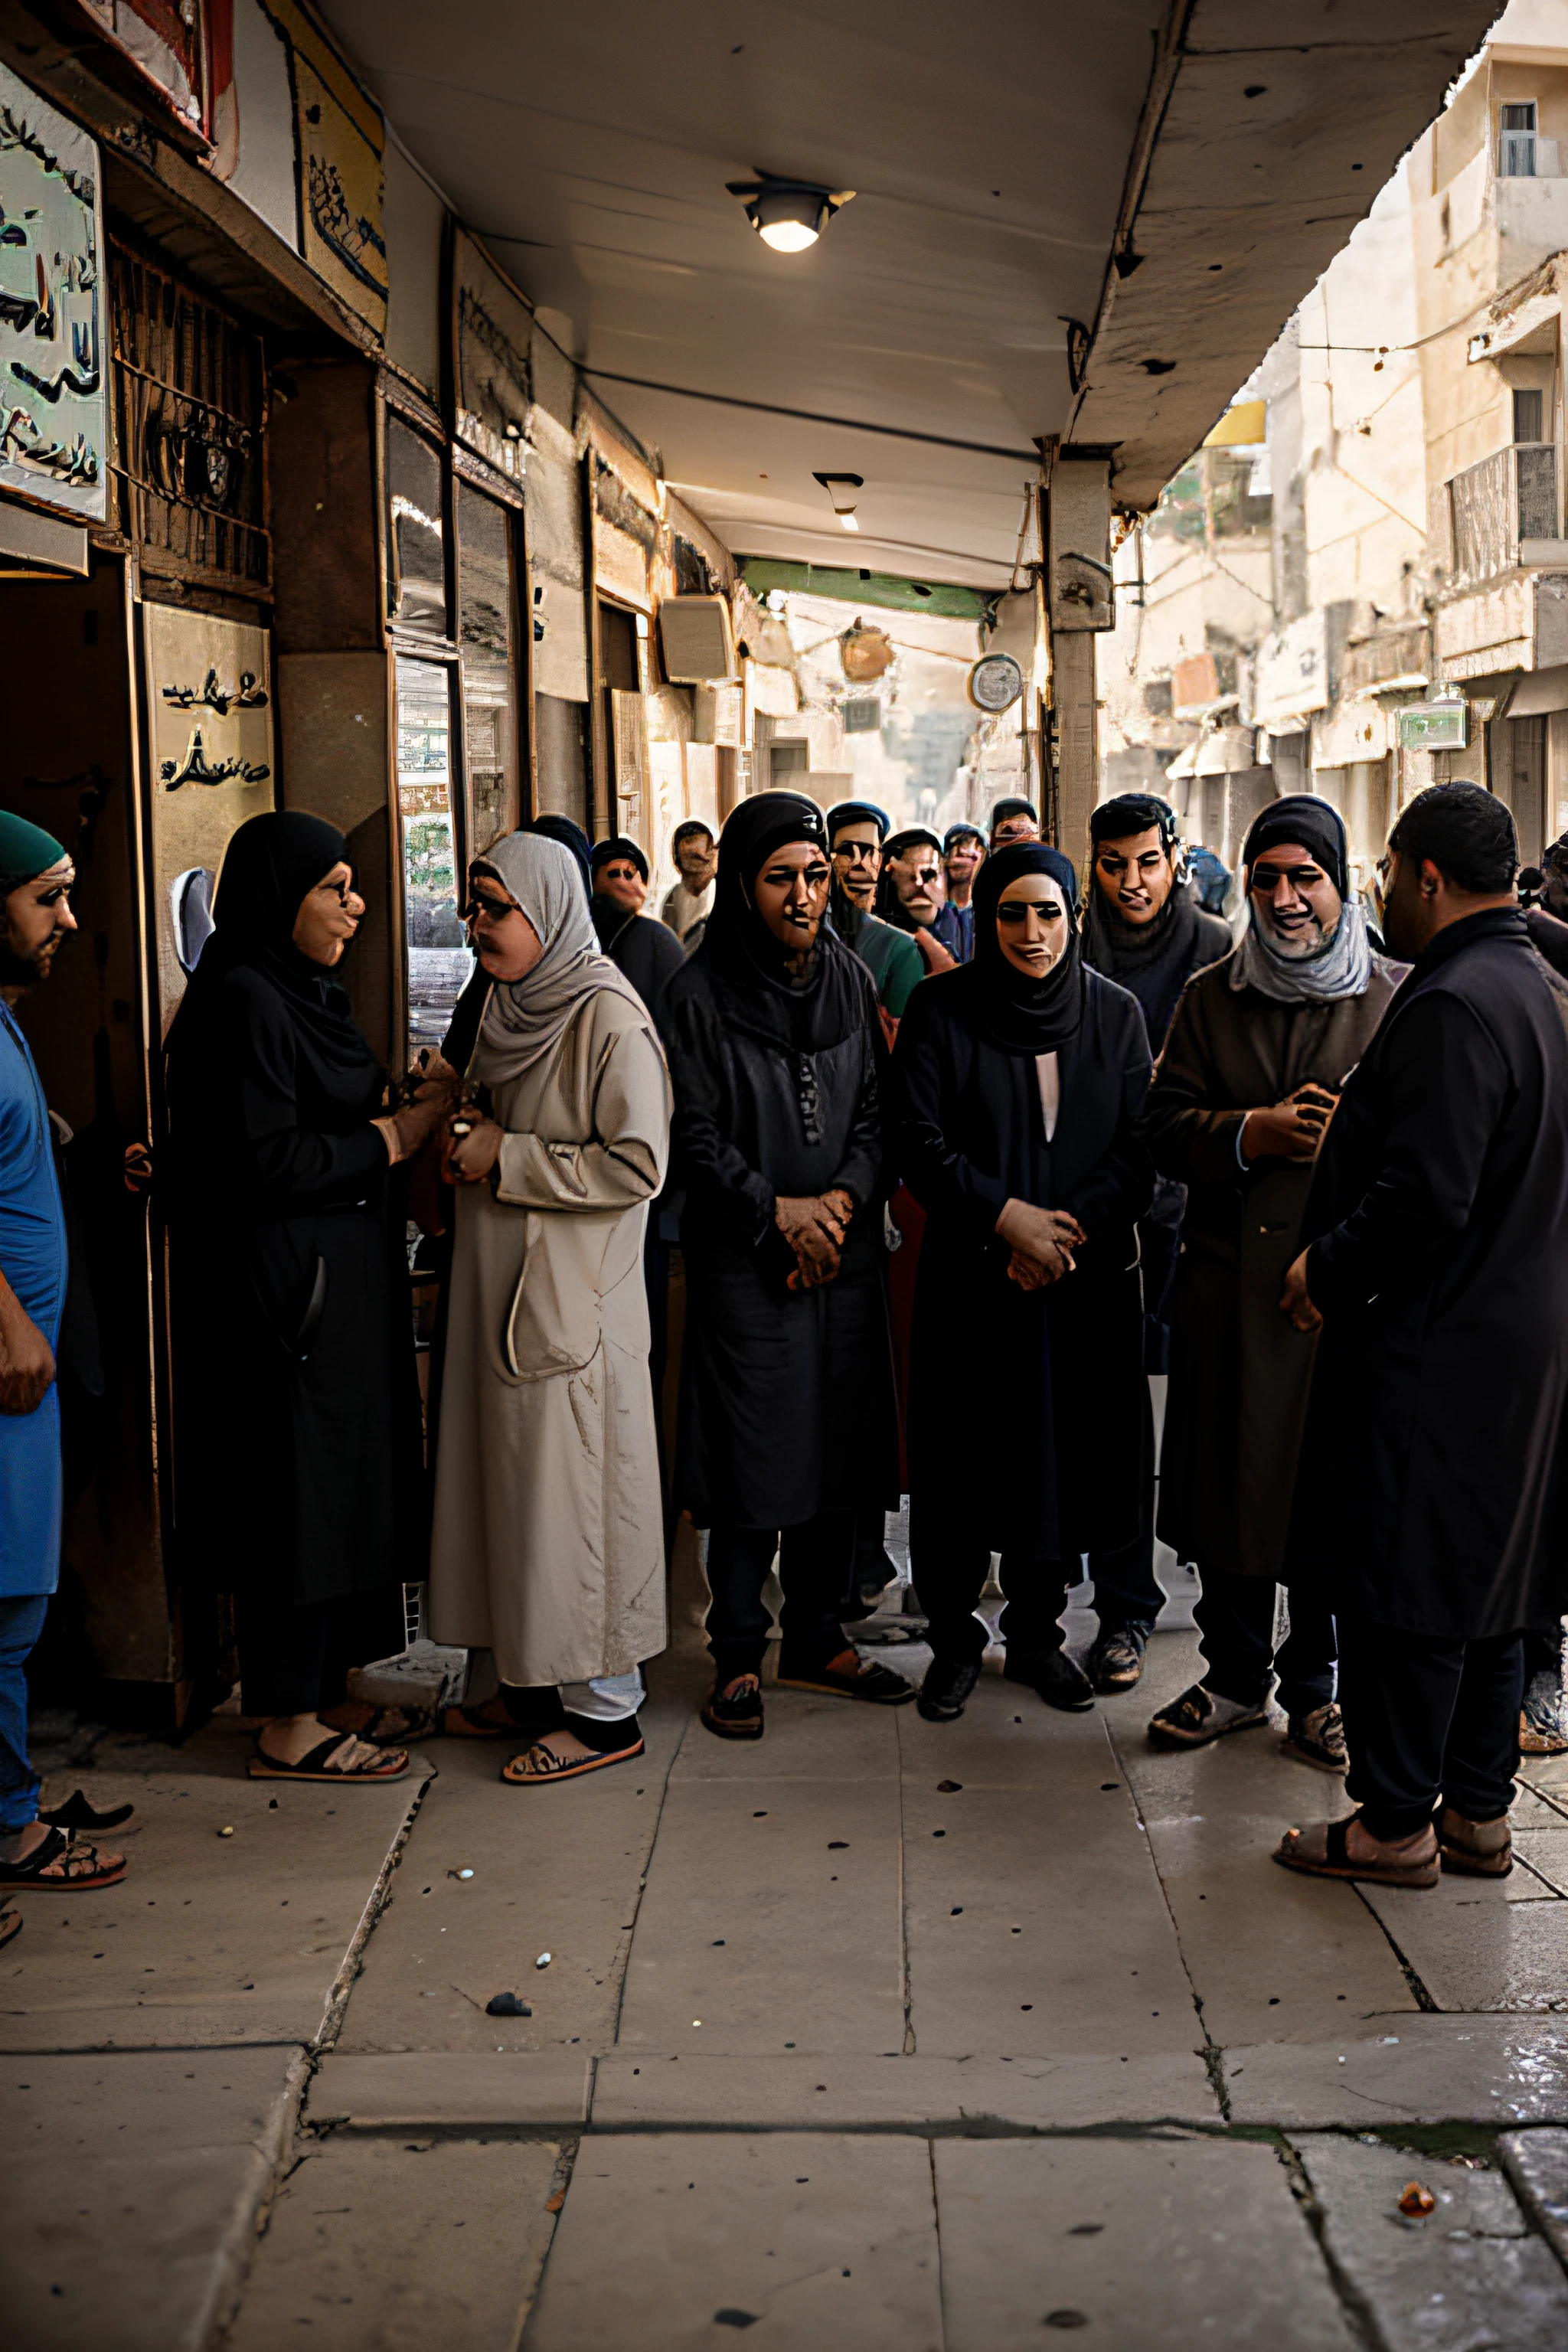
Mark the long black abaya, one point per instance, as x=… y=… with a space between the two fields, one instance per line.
x=298 y=1456
x=787 y=1406
x=1050 y=1385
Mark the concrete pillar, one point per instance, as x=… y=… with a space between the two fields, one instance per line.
x=1077 y=742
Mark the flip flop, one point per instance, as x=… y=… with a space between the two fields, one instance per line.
x=550 y=1767
x=383 y=1730
x=1337 y=1864
x=390 y=1764
x=76 y=1813
x=27 y=1874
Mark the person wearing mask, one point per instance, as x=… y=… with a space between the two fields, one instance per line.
x=547 y=1552
x=963 y=854
x=1018 y=1085
x=1014 y=820
x=295 y=1423
x=688 y=901
x=787 y=1424
x=855 y=831
x=645 y=950
x=1435 y=1279
x=36 y=879
x=911 y=895
x=458 y=1044
x=1144 y=930
x=1248 y=1079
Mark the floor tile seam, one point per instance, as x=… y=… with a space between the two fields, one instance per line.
x=1355 y=2308
x=377 y=1904
x=1213 y=2059
x=230 y=2260
x=905 y=1983
x=1528 y=2197
x=152 y=2049
x=645 y=1873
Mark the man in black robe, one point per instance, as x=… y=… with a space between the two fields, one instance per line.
x=1437 y=1270
x=1144 y=929
x=647 y=951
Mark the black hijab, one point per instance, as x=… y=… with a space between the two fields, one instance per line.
x=755 y=990
x=1018 y=1014
x=570 y=837
x=270 y=866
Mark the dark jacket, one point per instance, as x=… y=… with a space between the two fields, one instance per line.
x=1053 y=1378
x=648 y=953
x=786 y=1405
x=1238 y=1371
x=1439 y=1218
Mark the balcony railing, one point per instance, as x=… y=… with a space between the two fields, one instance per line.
x=1510 y=498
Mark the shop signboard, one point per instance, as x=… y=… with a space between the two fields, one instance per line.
x=492 y=330
x=209 y=728
x=1438 y=726
x=163 y=43
x=54 y=414
x=339 y=142
x=1291 y=677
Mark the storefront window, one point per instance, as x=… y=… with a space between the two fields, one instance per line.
x=439 y=964
x=415 y=539
x=486 y=629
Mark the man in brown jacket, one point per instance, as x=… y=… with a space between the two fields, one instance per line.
x=1259 y=1047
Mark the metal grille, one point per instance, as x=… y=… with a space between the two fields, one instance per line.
x=189 y=473
x=1537 y=490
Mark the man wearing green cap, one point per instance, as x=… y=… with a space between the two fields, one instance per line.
x=36 y=877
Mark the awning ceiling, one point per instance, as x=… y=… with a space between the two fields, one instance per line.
x=1001 y=157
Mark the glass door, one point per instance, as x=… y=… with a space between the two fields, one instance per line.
x=439 y=964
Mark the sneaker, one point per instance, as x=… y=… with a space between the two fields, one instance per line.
x=1059 y=1680
x=848 y=1676
x=739 y=1716
x=1319 y=1738
x=1116 y=1661
x=1200 y=1715
x=947 y=1685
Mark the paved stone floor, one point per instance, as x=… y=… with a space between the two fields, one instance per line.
x=879 y=2033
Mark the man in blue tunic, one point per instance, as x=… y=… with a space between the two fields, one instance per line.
x=36 y=877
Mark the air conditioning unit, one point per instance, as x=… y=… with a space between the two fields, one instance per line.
x=697 y=639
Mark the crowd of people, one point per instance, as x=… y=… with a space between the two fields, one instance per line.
x=922 y=1113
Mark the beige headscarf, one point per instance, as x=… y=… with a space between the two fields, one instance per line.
x=526 y=1019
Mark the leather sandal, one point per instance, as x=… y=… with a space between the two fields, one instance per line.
x=1335 y=1862
x=540 y=1764
x=865 y=1680
x=78 y=1872
x=1475 y=1849
x=384 y=1764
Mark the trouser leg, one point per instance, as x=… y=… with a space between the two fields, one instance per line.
x=1159 y=1247
x=948 y=1567
x=1126 y=1592
x=1305 y=1659
x=739 y=1560
x=1480 y=1755
x=359 y=1628
x=21 y=1623
x=1036 y=1591
x=815 y=1563
x=1398 y=1691
x=282 y=1654
x=1235 y=1622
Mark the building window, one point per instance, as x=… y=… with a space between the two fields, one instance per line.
x=487 y=630
x=439 y=965
x=1516 y=155
x=415 y=538
x=1527 y=408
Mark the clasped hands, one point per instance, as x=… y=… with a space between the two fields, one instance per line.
x=1291 y=1129
x=1042 y=1242
x=816 y=1227
x=406 y=1130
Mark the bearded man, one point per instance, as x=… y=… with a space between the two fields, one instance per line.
x=1259 y=1048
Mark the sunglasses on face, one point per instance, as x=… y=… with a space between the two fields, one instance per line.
x=858 y=853
x=1301 y=878
x=494 y=910
x=1015 y=910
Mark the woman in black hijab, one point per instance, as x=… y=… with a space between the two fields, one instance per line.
x=296 y=1440
x=1016 y=1080
x=788 y=1418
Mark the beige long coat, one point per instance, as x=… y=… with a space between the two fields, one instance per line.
x=548 y=1542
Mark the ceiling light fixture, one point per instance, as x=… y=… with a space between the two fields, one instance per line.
x=788 y=214
x=841 y=489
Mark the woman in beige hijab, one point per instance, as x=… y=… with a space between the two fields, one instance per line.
x=547 y=1548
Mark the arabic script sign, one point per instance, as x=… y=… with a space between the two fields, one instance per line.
x=209 y=711
x=53 y=406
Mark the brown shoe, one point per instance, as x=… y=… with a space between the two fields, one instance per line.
x=848 y=1676
x=1475 y=1849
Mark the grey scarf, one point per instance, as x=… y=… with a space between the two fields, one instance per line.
x=1342 y=967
